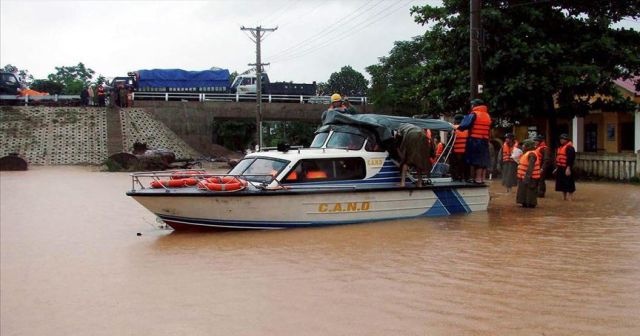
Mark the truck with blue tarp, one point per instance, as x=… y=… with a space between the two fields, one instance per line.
x=178 y=80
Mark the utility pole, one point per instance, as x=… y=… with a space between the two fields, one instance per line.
x=258 y=34
x=474 y=46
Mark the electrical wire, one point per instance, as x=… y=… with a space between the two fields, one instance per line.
x=352 y=33
x=326 y=30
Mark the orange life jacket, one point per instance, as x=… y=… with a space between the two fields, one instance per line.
x=523 y=166
x=439 y=149
x=482 y=123
x=461 y=141
x=540 y=149
x=561 y=154
x=506 y=152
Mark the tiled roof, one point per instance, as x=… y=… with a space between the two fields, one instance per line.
x=629 y=84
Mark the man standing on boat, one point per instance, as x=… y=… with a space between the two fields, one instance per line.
x=478 y=122
x=459 y=168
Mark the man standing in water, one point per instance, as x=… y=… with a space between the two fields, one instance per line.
x=528 y=176
x=509 y=165
x=545 y=155
x=565 y=157
x=478 y=122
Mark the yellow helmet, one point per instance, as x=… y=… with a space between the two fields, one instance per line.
x=335 y=97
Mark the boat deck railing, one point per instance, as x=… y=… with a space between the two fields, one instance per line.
x=143 y=180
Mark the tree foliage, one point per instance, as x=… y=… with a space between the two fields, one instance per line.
x=74 y=78
x=348 y=82
x=532 y=54
x=49 y=86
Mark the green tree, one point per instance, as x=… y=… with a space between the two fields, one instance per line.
x=295 y=133
x=396 y=81
x=100 y=80
x=49 y=86
x=235 y=135
x=74 y=78
x=348 y=82
x=533 y=54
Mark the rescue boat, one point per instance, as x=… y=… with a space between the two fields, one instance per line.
x=347 y=175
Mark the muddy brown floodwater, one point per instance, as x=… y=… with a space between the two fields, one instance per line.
x=73 y=264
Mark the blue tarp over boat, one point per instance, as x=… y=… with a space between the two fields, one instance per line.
x=382 y=125
x=178 y=78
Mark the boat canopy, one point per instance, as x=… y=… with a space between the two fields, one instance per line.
x=382 y=125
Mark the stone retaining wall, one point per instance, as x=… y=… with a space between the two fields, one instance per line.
x=78 y=135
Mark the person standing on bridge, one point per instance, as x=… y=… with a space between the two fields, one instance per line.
x=101 y=96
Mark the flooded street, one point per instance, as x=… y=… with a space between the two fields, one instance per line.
x=73 y=264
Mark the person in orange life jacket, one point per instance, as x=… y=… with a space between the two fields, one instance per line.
x=509 y=165
x=565 y=158
x=439 y=148
x=459 y=168
x=545 y=154
x=528 y=176
x=478 y=122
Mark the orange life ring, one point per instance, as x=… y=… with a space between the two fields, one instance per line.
x=222 y=183
x=177 y=183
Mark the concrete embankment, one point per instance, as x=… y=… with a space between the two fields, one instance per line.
x=82 y=135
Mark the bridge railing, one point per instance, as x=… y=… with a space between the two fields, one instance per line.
x=14 y=99
x=616 y=166
x=237 y=97
x=185 y=96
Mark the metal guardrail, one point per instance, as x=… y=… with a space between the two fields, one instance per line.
x=27 y=99
x=237 y=97
x=192 y=96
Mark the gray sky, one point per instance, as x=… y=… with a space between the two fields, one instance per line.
x=314 y=38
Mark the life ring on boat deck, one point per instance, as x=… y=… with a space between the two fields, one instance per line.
x=174 y=183
x=222 y=183
x=186 y=174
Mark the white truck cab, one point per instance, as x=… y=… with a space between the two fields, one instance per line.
x=246 y=84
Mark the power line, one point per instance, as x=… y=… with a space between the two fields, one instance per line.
x=327 y=35
x=351 y=33
x=324 y=31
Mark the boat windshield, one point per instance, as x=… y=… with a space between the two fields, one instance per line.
x=345 y=140
x=338 y=140
x=258 y=169
x=319 y=140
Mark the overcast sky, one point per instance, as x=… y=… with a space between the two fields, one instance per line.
x=314 y=37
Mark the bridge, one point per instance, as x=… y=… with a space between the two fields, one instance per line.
x=223 y=106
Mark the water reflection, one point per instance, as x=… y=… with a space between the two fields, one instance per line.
x=73 y=264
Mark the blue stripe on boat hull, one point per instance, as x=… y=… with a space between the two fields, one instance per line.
x=448 y=202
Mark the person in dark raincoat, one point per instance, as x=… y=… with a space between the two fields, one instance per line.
x=414 y=150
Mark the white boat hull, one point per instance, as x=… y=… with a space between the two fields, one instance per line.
x=276 y=210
